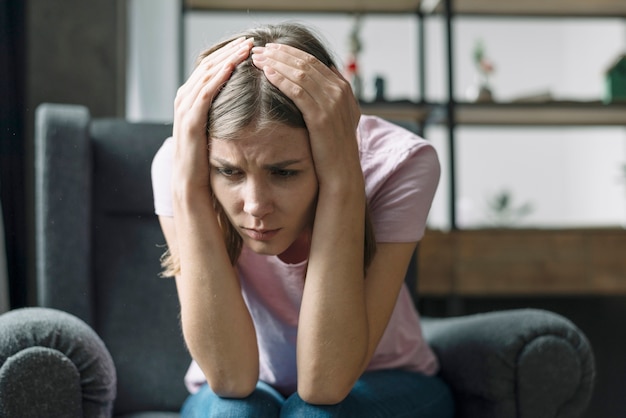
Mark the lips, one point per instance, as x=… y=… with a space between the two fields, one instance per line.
x=261 y=234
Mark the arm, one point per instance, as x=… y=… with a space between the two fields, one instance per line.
x=216 y=323
x=343 y=316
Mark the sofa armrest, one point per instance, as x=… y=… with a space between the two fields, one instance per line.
x=63 y=187
x=518 y=363
x=53 y=364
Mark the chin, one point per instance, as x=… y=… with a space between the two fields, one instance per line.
x=263 y=248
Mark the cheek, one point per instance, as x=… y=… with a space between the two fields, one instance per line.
x=225 y=196
x=307 y=201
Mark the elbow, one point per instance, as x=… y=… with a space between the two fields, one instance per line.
x=232 y=388
x=324 y=393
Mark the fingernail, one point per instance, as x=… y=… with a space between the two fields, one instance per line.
x=258 y=50
x=258 y=57
x=269 y=70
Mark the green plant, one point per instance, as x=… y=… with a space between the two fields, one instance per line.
x=502 y=212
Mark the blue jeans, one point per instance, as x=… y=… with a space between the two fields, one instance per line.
x=378 y=394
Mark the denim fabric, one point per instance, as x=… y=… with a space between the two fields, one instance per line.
x=379 y=394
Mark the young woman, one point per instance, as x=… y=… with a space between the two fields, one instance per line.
x=290 y=221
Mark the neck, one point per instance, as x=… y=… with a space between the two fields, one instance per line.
x=298 y=251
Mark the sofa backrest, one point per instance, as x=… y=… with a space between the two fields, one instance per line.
x=98 y=248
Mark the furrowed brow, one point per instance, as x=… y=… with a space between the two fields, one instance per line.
x=222 y=162
x=281 y=164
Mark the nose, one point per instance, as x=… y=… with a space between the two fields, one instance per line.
x=257 y=199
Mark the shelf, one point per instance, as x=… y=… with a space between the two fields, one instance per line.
x=319 y=6
x=554 y=113
x=506 y=114
x=573 y=8
x=399 y=111
x=514 y=262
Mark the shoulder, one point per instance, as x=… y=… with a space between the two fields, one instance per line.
x=161 y=178
x=401 y=172
x=386 y=148
x=165 y=154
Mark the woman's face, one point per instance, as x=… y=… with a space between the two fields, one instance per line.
x=267 y=186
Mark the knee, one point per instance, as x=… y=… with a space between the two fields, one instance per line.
x=295 y=406
x=205 y=403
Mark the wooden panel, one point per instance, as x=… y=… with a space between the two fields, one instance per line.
x=523 y=262
x=349 y=6
x=435 y=269
x=607 y=258
x=519 y=263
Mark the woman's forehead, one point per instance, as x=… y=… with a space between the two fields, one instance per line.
x=279 y=141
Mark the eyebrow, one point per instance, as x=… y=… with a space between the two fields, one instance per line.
x=278 y=164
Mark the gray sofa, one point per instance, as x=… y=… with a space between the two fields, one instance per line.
x=105 y=339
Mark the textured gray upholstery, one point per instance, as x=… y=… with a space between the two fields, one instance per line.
x=55 y=364
x=98 y=246
x=521 y=363
x=98 y=249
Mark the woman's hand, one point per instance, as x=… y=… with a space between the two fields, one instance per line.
x=333 y=334
x=191 y=107
x=216 y=323
x=325 y=98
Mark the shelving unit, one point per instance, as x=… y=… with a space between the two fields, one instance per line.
x=540 y=8
x=321 y=6
x=451 y=265
x=541 y=114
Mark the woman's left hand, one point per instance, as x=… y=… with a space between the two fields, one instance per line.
x=328 y=106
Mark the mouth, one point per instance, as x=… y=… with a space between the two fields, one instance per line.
x=260 y=234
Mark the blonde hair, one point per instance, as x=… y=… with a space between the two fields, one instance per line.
x=248 y=100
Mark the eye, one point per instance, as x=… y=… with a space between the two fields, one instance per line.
x=228 y=172
x=282 y=173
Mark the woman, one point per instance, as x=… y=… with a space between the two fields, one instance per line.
x=290 y=221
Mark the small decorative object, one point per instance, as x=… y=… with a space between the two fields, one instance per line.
x=379 y=85
x=615 y=81
x=480 y=91
x=352 y=64
x=501 y=211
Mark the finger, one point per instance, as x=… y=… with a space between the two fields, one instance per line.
x=294 y=72
x=233 y=52
x=199 y=92
x=195 y=97
x=296 y=64
x=217 y=56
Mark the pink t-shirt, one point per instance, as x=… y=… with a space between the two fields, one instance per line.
x=401 y=172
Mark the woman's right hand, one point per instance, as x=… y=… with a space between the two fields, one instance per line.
x=191 y=107
x=218 y=331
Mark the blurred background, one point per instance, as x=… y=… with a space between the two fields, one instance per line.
x=126 y=58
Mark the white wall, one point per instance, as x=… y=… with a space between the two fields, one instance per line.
x=569 y=175
x=152 y=71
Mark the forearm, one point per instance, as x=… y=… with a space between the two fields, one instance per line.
x=333 y=333
x=216 y=323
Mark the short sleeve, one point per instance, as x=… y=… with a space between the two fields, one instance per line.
x=162 y=179
x=401 y=205
x=401 y=172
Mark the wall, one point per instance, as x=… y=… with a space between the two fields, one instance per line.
x=578 y=168
x=75 y=54
x=152 y=70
